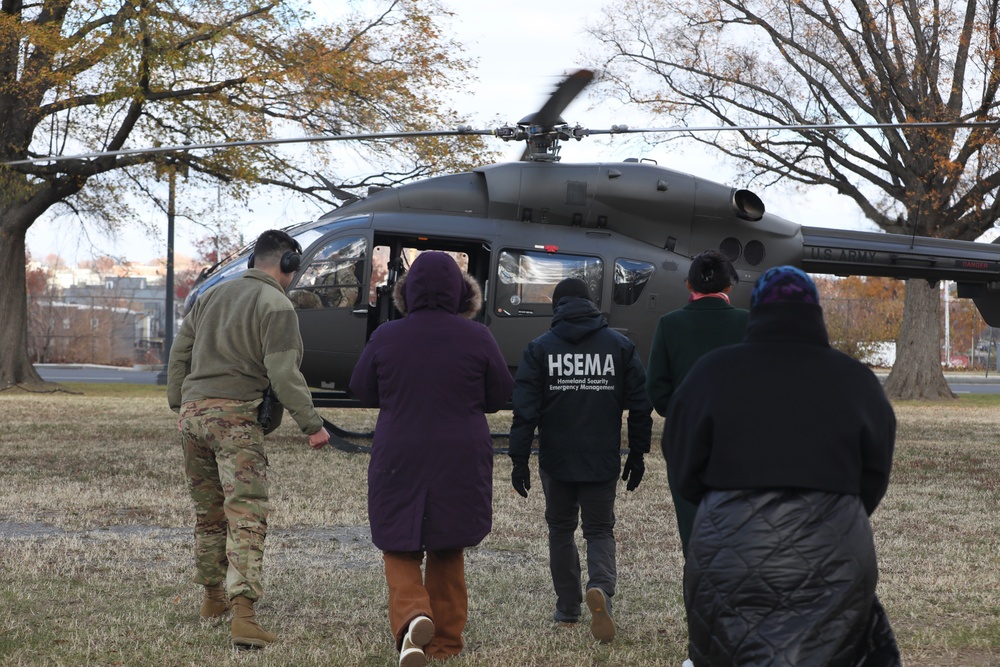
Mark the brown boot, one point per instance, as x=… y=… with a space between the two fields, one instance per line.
x=246 y=631
x=216 y=602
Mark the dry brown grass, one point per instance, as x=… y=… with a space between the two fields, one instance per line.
x=95 y=543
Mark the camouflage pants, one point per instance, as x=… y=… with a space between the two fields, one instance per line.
x=227 y=475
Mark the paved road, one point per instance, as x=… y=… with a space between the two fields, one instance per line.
x=990 y=387
x=960 y=383
x=967 y=383
x=93 y=373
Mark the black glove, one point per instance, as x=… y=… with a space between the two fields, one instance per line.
x=520 y=477
x=634 y=470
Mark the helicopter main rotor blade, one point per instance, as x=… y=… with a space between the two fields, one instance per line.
x=565 y=92
x=563 y=95
x=625 y=129
x=461 y=131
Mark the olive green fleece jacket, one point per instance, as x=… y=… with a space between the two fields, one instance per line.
x=239 y=336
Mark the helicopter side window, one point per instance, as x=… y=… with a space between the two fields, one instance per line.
x=525 y=280
x=332 y=279
x=631 y=278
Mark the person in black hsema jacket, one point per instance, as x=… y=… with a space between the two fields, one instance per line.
x=573 y=385
x=785 y=445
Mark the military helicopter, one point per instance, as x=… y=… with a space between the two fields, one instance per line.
x=628 y=229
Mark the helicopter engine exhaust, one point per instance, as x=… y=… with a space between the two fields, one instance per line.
x=747 y=206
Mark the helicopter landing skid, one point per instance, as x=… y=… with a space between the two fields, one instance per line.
x=334 y=399
x=338 y=439
x=339 y=436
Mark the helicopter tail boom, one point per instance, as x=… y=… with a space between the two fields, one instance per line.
x=974 y=266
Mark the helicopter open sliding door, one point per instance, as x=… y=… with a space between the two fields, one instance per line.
x=332 y=306
x=393 y=254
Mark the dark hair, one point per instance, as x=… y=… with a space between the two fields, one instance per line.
x=711 y=271
x=275 y=245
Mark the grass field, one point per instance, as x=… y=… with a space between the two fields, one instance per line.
x=96 y=566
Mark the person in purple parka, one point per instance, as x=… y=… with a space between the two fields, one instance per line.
x=434 y=374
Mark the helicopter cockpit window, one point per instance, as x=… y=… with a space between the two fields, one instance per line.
x=332 y=279
x=526 y=279
x=308 y=237
x=631 y=277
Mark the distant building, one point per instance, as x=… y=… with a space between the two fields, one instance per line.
x=65 y=278
x=140 y=295
x=69 y=332
x=115 y=316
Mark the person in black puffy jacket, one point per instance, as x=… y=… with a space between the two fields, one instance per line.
x=785 y=445
x=573 y=384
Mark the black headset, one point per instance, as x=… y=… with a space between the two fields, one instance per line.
x=290 y=261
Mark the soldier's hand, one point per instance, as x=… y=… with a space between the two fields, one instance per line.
x=520 y=478
x=318 y=439
x=633 y=471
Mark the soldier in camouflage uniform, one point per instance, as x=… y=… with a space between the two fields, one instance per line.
x=344 y=287
x=241 y=336
x=224 y=457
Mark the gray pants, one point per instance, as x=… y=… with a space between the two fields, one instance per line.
x=565 y=504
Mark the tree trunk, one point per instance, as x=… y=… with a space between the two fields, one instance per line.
x=15 y=366
x=917 y=372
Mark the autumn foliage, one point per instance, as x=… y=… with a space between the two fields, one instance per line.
x=861 y=313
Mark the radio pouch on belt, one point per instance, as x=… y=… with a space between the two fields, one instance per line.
x=269 y=411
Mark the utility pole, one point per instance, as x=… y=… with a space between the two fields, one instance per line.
x=168 y=311
x=947 y=324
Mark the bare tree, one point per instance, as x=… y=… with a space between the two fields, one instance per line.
x=89 y=76
x=774 y=62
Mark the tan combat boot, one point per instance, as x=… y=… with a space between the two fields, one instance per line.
x=216 y=602
x=246 y=631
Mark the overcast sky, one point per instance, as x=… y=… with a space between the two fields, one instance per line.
x=523 y=48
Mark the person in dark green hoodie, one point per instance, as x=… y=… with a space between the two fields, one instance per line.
x=573 y=384
x=682 y=336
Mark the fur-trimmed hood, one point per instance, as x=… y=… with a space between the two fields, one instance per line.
x=435 y=282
